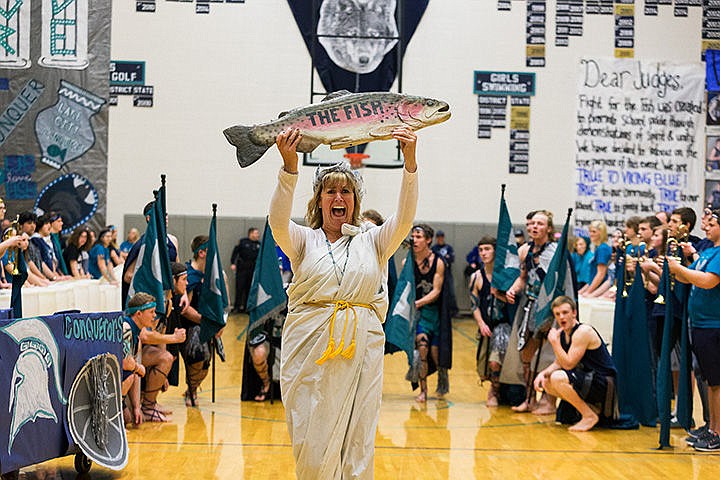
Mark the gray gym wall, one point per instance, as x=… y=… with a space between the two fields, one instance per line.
x=462 y=236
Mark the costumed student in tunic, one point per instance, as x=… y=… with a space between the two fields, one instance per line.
x=158 y=360
x=140 y=313
x=583 y=373
x=196 y=354
x=429 y=269
x=132 y=256
x=535 y=257
x=333 y=341
x=493 y=319
x=262 y=359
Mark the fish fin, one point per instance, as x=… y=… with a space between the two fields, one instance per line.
x=382 y=132
x=282 y=114
x=344 y=142
x=308 y=144
x=332 y=95
x=247 y=151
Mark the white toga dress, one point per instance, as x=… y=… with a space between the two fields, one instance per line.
x=332 y=408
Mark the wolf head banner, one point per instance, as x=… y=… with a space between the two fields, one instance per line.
x=357 y=39
x=53 y=118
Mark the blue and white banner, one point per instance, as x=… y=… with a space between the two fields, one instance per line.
x=41 y=357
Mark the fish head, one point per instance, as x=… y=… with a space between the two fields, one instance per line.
x=419 y=112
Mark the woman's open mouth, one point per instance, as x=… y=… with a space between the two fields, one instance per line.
x=338 y=212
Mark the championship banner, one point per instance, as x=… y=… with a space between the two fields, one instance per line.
x=53 y=125
x=41 y=358
x=639 y=143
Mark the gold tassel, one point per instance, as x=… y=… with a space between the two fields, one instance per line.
x=339 y=349
x=327 y=353
x=349 y=351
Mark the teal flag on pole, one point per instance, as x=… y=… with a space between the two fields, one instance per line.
x=507 y=261
x=559 y=280
x=267 y=296
x=162 y=234
x=213 y=295
x=635 y=382
x=148 y=266
x=401 y=319
x=663 y=381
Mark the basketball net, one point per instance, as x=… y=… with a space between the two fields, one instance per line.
x=356 y=159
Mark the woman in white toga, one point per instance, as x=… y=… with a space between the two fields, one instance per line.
x=332 y=350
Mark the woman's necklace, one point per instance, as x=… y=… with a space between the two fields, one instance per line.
x=332 y=257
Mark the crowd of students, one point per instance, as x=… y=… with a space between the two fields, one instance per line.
x=50 y=257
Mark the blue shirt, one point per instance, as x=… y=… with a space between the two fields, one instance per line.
x=125 y=246
x=582 y=267
x=703 y=303
x=95 y=252
x=601 y=256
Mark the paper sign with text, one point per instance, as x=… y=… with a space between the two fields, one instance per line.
x=639 y=143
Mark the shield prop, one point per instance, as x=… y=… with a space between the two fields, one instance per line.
x=73 y=196
x=95 y=414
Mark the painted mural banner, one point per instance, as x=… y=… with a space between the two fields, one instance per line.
x=54 y=114
x=639 y=139
x=73 y=196
x=64 y=130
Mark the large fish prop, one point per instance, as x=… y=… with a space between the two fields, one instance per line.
x=341 y=120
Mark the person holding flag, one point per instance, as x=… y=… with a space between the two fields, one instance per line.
x=333 y=341
x=196 y=354
x=171 y=246
x=267 y=307
x=149 y=278
x=493 y=319
x=534 y=259
x=401 y=322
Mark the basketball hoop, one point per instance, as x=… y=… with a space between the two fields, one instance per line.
x=356 y=159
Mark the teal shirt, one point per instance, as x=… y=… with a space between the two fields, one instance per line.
x=703 y=303
x=583 y=271
x=601 y=256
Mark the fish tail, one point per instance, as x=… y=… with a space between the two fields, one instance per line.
x=248 y=152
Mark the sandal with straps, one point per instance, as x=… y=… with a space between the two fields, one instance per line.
x=152 y=414
x=191 y=399
x=264 y=394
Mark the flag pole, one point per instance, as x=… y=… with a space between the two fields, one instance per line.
x=162 y=185
x=212 y=343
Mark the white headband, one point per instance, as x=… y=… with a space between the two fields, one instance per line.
x=342 y=167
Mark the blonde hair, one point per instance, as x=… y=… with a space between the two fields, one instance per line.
x=601 y=227
x=547 y=214
x=313 y=216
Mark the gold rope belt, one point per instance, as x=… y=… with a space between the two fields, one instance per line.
x=331 y=351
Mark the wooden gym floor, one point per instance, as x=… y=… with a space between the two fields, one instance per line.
x=457 y=438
